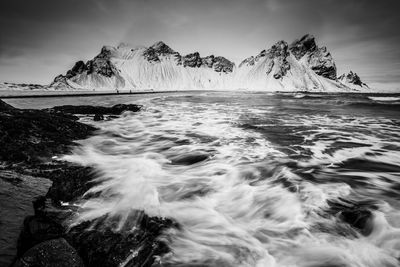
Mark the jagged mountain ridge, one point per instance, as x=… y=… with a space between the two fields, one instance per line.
x=300 y=66
x=352 y=78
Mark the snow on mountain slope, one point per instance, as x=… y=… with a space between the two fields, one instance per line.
x=302 y=66
x=352 y=80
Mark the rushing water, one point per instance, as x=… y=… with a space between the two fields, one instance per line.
x=255 y=179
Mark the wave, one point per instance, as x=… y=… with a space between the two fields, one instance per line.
x=384 y=98
x=238 y=197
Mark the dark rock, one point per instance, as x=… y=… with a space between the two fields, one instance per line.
x=359 y=219
x=100 y=245
x=358 y=214
x=39 y=205
x=55 y=252
x=192 y=60
x=189 y=159
x=275 y=56
x=162 y=49
x=5 y=107
x=222 y=64
x=158 y=49
x=32 y=136
x=78 y=68
x=70 y=183
x=100 y=65
x=318 y=58
x=208 y=61
x=60 y=82
x=151 y=55
x=98 y=117
x=353 y=78
x=89 y=110
x=37 y=229
x=303 y=45
x=278 y=54
x=321 y=62
x=248 y=61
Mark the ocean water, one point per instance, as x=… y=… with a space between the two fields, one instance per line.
x=252 y=179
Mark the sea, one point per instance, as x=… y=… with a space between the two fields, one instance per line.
x=251 y=178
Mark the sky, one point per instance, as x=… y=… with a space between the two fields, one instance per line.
x=43 y=38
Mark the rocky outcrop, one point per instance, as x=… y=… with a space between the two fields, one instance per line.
x=160 y=49
x=352 y=78
x=302 y=46
x=78 y=68
x=275 y=59
x=5 y=107
x=192 y=60
x=101 y=246
x=222 y=64
x=92 y=110
x=55 y=252
x=33 y=135
x=100 y=65
x=319 y=59
x=46 y=238
x=278 y=54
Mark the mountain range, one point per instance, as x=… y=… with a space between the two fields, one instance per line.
x=299 y=66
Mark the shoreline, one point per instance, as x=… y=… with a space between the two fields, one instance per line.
x=82 y=94
x=52 y=94
x=45 y=238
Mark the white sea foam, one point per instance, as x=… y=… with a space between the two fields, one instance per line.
x=236 y=205
x=384 y=98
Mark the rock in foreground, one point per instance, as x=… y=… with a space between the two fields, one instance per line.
x=29 y=138
x=34 y=136
x=114 y=110
x=55 y=252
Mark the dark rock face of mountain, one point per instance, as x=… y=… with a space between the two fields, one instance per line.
x=101 y=65
x=248 y=62
x=162 y=49
x=353 y=78
x=222 y=64
x=303 y=45
x=318 y=58
x=279 y=52
x=192 y=60
x=153 y=53
x=321 y=62
x=78 y=68
x=276 y=57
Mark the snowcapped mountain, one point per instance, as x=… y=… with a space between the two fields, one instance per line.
x=352 y=80
x=301 y=66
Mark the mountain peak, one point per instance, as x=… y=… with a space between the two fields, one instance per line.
x=303 y=45
x=352 y=78
x=161 y=48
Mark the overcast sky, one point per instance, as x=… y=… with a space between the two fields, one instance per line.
x=43 y=38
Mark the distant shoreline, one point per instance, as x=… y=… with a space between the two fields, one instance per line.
x=52 y=94
x=79 y=94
